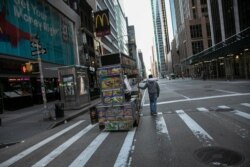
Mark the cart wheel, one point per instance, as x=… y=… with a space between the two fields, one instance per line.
x=101 y=127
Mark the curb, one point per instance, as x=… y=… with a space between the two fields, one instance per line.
x=59 y=122
x=72 y=116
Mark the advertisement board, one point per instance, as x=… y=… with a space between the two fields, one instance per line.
x=20 y=20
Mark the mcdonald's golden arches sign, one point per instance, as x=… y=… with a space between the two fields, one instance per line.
x=102 y=25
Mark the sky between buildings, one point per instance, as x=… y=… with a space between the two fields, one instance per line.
x=139 y=14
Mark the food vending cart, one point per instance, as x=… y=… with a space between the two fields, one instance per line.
x=120 y=106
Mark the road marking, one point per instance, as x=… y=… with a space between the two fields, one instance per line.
x=245 y=104
x=55 y=153
x=198 y=131
x=242 y=114
x=201 y=98
x=223 y=107
x=123 y=155
x=161 y=125
x=202 y=109
x=143 y=97
x=226 y=91
x=38 y=145
x=83 y=158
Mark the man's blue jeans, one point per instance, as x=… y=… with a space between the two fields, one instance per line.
x=153 y=103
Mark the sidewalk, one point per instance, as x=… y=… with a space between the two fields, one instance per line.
x=24 y=123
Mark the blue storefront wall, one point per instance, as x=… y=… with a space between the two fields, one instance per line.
x=20 y=20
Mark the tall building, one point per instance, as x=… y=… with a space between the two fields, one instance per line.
x=132 y=44
x=141 y=68
x=161 y=34
x=121 y=25
x=117 y=40
x=191 y=25
x=229 y=56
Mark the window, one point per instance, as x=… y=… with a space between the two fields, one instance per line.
x=197 y=46
x=203 y=2
x=196 y=31
x=208 y=30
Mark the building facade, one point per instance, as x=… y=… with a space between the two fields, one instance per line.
x=192 y=32
x=228 y=57
x=132 y=43
x=117 y=40
x=160 y=35
x=142 y=69
x=54 y=25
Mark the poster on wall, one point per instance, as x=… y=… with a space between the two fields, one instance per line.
x=20 y=20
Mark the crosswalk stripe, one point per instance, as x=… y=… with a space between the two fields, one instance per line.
x=202 y=109
x=125 y=150
x=83 y=158
x=198 y=131
x=38 y=145
x=242 y=114
x=223 y=107
x=245 y=104
x=161 y=126
x=51 y=156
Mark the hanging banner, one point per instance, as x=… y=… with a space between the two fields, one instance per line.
x=102 y=25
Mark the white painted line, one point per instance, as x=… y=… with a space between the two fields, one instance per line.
x=202 y=109
x=201 y=98
x=198 y=131
x=38 y=145
x=83 y=158
x=223 y=107
x=226 y=91
x=245 y=104
x=143 y=98
x=123 y=156
x=161 y=125
x=55 y=153
x=242 y=114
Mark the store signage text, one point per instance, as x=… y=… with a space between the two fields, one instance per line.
x=23 y=9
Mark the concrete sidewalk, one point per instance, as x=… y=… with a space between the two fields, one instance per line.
x=24 y=123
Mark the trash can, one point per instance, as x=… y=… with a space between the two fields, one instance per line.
x=59 y=110
x=93 y=115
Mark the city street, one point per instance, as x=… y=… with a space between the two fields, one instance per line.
x=199 y=123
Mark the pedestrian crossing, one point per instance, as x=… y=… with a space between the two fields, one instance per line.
x=194 y=122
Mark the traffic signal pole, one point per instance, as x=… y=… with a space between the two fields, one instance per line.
x=46 y=112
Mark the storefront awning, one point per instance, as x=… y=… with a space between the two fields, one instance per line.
x=235 y=44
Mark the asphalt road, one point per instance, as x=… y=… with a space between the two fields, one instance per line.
x=198 y=123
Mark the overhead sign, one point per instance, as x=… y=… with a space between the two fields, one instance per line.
x=35 y=43
x=102 y=24
x=39 y=52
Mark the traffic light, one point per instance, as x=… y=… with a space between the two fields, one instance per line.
x=23 y=68
x=30 y=67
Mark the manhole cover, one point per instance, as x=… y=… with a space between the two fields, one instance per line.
x=216 y=156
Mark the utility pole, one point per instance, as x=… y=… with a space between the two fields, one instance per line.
x=39 y=50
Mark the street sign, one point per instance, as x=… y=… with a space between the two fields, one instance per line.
x=39 y=52
x=35 y=45
x=34 y=40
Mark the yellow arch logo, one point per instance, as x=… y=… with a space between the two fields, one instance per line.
x=101 y=19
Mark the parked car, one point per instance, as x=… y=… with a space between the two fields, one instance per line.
x=172 y=76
